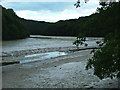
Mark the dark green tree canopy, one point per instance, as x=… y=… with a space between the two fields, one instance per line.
x=106 y=60
x=12 y=28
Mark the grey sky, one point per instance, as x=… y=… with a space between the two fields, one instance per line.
x=51 y=10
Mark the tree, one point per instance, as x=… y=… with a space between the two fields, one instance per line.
x=78 y=3
x=103 y=3
x=80 y=41
x=106 y=60
x=12 y=28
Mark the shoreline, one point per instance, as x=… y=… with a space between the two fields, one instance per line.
x=33 y=51
x=16 y=57
x=44 y=50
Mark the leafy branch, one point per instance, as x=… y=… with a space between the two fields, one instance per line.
x=80 y=40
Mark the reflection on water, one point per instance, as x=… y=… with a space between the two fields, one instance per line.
x=43 y=56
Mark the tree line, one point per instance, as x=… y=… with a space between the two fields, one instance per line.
x=98 y=24
x=12 y=28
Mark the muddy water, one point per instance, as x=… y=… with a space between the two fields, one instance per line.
x=37 y=41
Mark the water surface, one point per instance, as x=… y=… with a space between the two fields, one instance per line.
x=43 y=56
x=34 y=43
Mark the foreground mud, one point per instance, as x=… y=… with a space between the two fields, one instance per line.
x=59 y=72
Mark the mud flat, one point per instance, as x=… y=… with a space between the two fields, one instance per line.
x=17 y=55
x=33 y=51
x=66 y=71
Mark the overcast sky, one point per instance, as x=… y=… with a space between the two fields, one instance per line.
x=50 y=10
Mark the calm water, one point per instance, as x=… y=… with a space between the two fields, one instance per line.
x=44 y=42
x=43 y=56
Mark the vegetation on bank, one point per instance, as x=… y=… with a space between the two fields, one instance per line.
x=106 y=60
x=35 y=27
x=12 y=28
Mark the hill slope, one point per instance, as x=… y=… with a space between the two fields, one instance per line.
x=12 y=28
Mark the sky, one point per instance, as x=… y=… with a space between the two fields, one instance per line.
x=50 y=10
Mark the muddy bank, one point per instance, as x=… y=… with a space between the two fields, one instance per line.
x=33 y=51
x=65 y=73
x=21 y=55
x=43 y=50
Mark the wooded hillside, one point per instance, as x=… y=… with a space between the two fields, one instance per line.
x=96 y=25
x=12 y=28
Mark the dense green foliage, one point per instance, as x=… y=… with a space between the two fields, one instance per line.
x=60 y=28
x=80 y=40
x=12 y=28
x=106 y=60
x=104 y=22
x=35 y=27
